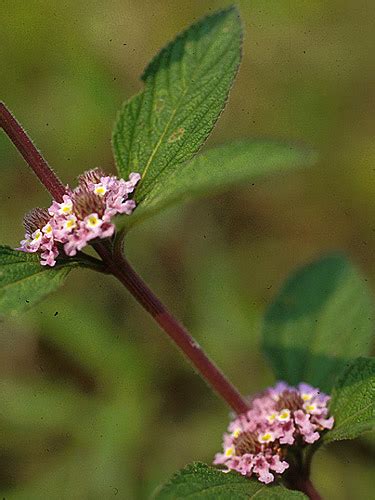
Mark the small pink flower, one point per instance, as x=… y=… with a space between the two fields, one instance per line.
x=262 y=468
x=282 y=417
x=311 y=437
x=134 y=178
x=84 y=215
x=48 y=258
x=64 y=208
x=74 y=244
x=326 y=423
x=278 y=465
x=288 y=433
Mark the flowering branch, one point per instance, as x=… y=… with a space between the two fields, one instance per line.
x=291 y=416
x=121 y=269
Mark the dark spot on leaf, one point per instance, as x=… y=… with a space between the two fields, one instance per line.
x=56 y=313
x=159 y=104
x=176 y=136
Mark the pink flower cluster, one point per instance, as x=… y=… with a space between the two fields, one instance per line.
x=84 y=214
x=282 y=417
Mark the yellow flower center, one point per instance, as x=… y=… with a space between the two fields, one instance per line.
x=37 y=235
x=66 y=208
x=271 y=418
x=309 y=407
x=100 y=190
x=71 y=223
x=229 y=452
x=284 y=415
x=236 y=432
x=47 y=229
x=266 y=438
x=92 y=221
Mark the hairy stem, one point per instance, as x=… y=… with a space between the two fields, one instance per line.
x=31 y=155
x=122 y=270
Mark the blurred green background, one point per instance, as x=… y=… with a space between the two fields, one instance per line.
x=94 y=401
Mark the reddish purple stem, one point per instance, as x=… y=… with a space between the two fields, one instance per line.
x=305 y=485
x=31 y=155
x=122 y=270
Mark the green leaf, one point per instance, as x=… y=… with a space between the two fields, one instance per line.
x=201 y=481
x=322 y=318
x=23 y=281
x=353 y=401
x=186 y=88
x=218 y=169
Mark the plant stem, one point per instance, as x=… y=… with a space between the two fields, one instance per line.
x=32 y=156
x=305 y=485
x=121 y=269
x=298 y=474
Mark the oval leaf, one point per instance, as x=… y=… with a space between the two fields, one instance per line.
x=353 y=401
x=218 y=169
x=322 y=318
x=23 y=281
x=201 y=481
x=186 y=88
